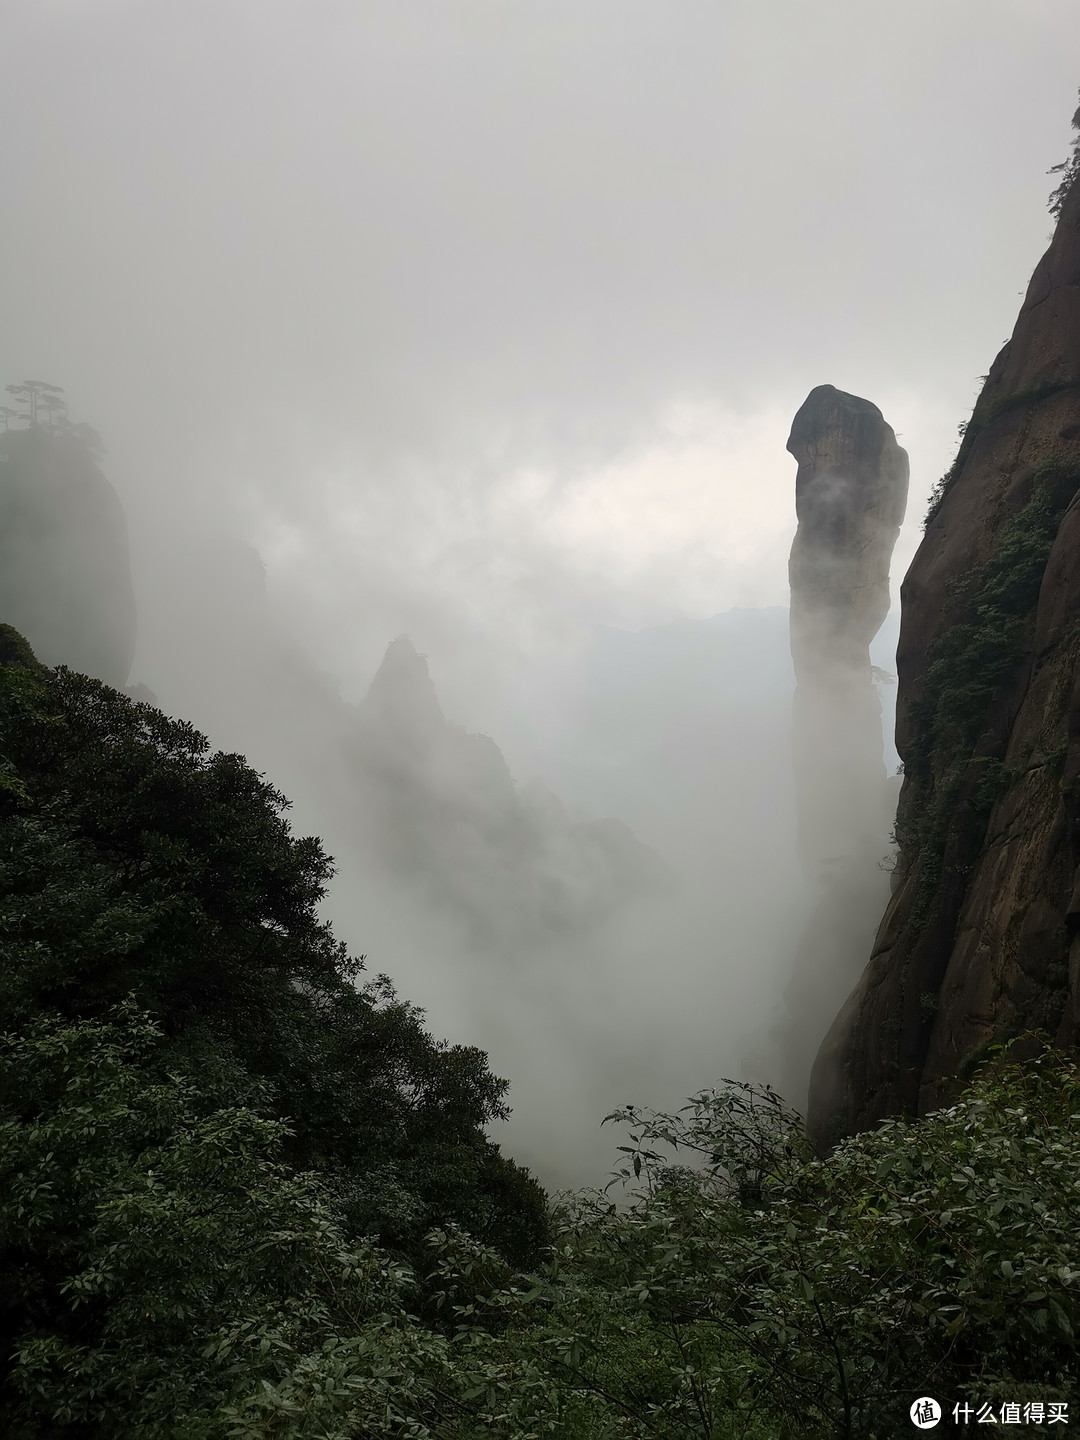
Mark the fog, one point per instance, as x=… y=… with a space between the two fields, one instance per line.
x=484 y=324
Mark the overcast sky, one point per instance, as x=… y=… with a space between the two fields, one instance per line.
x=486 y=319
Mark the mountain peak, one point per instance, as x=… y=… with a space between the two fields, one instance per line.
x=402 y=696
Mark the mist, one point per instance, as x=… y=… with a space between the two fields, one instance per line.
x=484 y=324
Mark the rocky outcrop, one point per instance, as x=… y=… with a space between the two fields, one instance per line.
x=981 y=939
x=850 y=496
x=65 y=573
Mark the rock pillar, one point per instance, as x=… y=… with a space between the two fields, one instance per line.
x=850 y=496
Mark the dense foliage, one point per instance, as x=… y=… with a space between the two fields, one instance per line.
x=181 y=1279
x=173 y=1276
x=758 y=1290
x=243 y=1195
x=137 y=867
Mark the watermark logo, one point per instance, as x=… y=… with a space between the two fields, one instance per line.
x=1009 y=1412
x=925 y=1413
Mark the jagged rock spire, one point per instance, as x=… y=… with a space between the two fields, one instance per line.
x=402 y=698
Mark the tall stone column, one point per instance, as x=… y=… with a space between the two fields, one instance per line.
x=850 y=497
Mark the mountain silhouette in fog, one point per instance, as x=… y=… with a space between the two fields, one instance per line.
x=441 y=809
x=65 y=572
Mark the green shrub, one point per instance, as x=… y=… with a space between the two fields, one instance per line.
x=757 y=1290
x=135 y=862
x=175 y=1277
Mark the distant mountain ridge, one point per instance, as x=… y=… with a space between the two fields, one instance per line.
x=439 y=806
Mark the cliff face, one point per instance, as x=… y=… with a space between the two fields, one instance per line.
x=850 y=496
x=981 y=939
x=65 y=573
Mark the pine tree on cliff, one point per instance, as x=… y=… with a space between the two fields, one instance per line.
x=36 y=395
x=1069 y=170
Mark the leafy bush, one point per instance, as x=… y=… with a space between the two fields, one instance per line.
x=749 y=1288
x=185 y=1281
x=175 y=1277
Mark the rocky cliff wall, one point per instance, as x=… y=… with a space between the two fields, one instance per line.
x=981 y=939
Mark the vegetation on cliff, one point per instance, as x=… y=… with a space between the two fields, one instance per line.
x=991 y=404
x=954 y=764
x=1069 y=170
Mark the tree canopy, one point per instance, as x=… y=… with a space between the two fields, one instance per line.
x=144 y=876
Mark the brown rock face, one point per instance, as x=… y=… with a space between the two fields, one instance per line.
x=850 y=496
x=981 y=939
